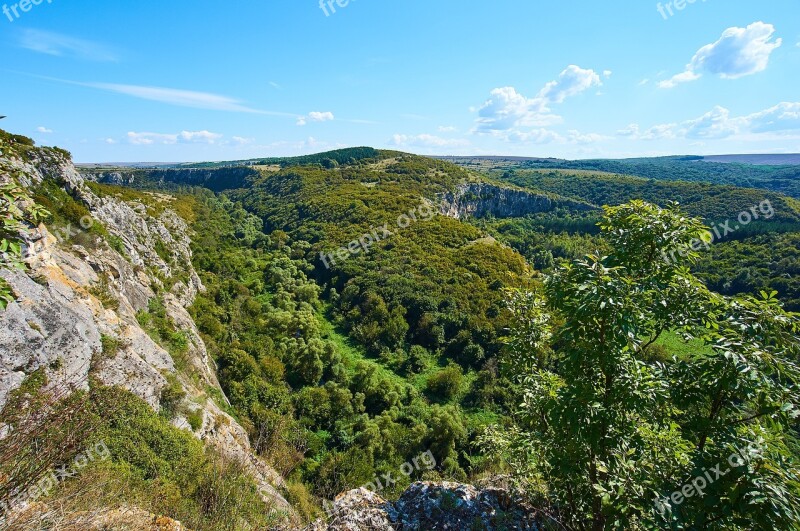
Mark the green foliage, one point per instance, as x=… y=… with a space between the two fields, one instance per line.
x=781 y=179
x=68 y=218
x=103 y=293
x=110 y=345
x=164 y=332
x=604 y=189
x=172 y=395
x=609 y=433
x=17 y=212
x=167 y=470
x=734 y=264
x=741 y=267
x=447 y=383
x=422 y=285
x=314 y=403
x=16 y=146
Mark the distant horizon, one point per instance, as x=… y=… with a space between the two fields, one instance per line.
x=509 y=157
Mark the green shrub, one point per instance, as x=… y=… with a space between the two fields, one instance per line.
x=110 y=345
x=104 y=294
x=446 y=383
x=171 y=396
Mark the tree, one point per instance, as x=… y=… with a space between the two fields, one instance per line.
x=612 y=433
x=446 y=383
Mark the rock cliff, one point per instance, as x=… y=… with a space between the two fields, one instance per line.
x=76 y=300
x=216 y=179
x=481 y=199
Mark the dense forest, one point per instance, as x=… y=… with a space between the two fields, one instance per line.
x=783 y=179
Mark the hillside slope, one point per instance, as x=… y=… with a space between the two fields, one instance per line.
x=103 y=304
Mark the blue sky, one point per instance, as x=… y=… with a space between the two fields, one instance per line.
x=201 y=80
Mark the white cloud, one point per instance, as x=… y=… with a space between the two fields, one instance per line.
x=607 y=73
x=447 y=129
x=677 y=79
x=739 y=52
x=42 y=129
x=315 y=117
x=184 y=137
x=199 y=137
x=59 y=45
x=571 y=82
x=242 y=140
x=425 y=140
x=658 y=132
x=782 y=119
x=110 y=141
x=715 y=124
x=643 y=82
x=508 y=111
x=631 y=131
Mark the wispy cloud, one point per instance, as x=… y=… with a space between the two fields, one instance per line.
x=60 y=45
x=182 y=98
x=178 y=97
x=43 y=129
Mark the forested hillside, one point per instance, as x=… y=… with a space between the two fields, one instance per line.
x=734 y=264
x=784 y=178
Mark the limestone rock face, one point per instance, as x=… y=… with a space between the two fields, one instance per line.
x=432 y=507
x=76 y=307
x=217 y=179
x=480 y=199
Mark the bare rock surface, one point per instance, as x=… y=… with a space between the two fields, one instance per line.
x=431 y=507
x=479 y=199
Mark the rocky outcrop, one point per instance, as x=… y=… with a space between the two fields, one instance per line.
x=430 y=506
x=77 y=306
x=481 y=199
x=216 y=179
